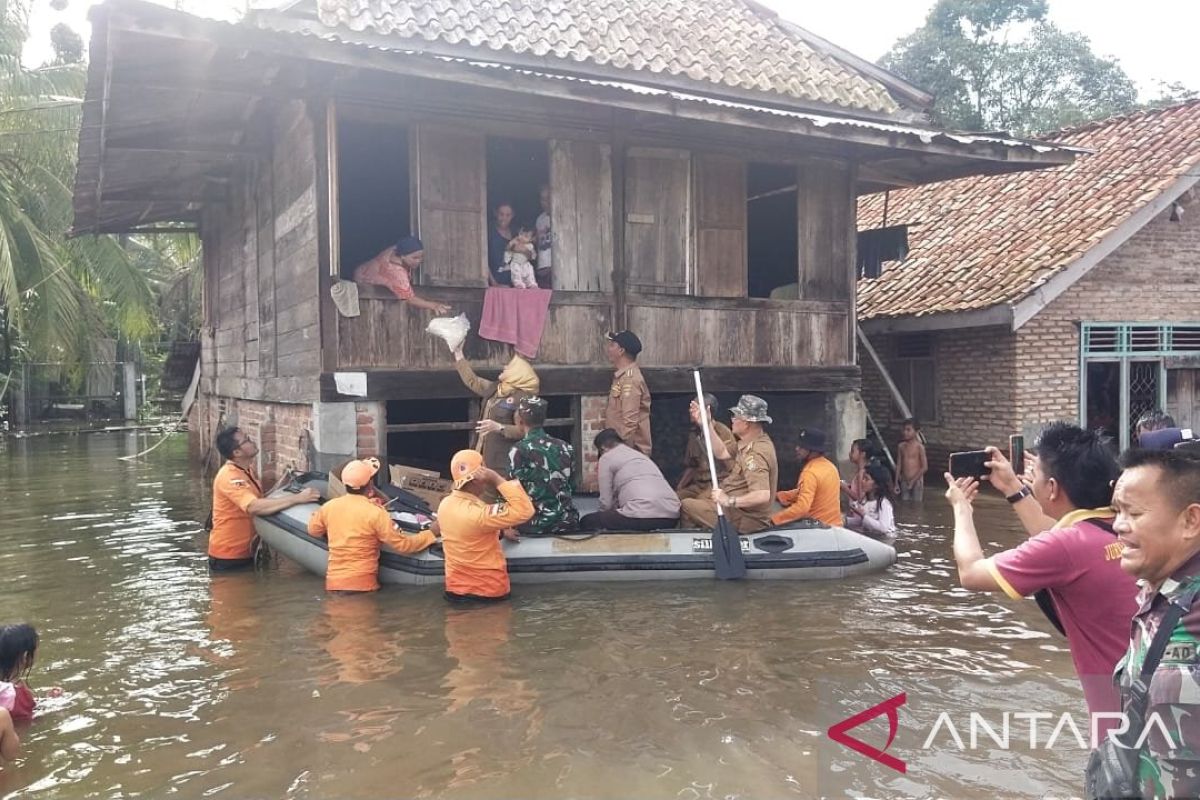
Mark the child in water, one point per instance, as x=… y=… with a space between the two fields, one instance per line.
x=18 y=647
x=874 y=514
x=914 y=463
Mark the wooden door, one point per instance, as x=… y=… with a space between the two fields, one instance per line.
x=451 y=199
x=581 y=216
x=720 y=226
x=825 y=204
x=657 y=219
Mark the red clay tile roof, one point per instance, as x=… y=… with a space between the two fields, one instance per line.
x=728 y=43
x=980 y=242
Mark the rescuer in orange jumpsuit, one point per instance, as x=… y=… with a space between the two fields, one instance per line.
x=356 y=528
x=471 y=529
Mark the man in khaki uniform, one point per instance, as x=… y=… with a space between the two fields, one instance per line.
x=746 y=493
x=695 y=481
x=628 y=409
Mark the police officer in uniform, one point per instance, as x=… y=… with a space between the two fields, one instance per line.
x=628 y=409
x=747 y=491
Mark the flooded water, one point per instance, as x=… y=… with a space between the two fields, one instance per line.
x=258 y=685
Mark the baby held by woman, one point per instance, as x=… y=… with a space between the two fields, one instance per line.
x=519 y=257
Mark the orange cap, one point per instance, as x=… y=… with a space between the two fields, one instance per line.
x=464 y=466
x=358 y=474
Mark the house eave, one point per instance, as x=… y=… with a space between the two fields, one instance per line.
x=889 y=153
x=998 y=315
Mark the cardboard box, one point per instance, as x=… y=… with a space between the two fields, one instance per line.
x=426 y=484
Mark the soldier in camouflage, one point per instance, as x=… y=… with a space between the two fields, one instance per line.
x=545 y=467
x=1157 y=500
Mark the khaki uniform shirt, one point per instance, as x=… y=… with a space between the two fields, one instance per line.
x=696 y=457
x=755 y=467
x=628 y=411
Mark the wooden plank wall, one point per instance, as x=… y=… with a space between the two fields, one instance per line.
x=657 y=220
x=297 y=324
x=715 y=326
x=720 y=226
x=582 y=208
x=826 y=251
x=452 y=196
x=392 y=335
x=261 y=272
x=731 y=334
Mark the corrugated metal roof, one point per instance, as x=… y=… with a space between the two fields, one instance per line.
x=980 y=242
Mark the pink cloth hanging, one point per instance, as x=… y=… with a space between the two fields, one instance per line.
x=515 y=316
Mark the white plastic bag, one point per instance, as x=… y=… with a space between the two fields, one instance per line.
x=453 y=330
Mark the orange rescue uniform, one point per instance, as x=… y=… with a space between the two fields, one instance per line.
x=356 y=528
x=475 y=562
x=234 y=489
x=817 y=495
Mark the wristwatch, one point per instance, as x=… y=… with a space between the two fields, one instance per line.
x=1018 y=496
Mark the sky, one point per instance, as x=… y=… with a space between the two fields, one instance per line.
x=1152 y=39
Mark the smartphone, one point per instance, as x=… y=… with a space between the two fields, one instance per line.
x=1016 y=453
x=970 y=464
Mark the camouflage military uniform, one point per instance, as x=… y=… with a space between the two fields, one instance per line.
x=1169 y=769
x=544 y=466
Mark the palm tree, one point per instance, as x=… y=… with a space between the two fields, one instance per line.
x=56 y=294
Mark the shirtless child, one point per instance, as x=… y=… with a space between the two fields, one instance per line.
x=910 y=483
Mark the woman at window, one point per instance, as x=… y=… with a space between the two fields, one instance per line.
x=498 y=238
x=393 y=268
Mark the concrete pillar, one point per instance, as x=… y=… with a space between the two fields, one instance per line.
x=334 y=433
x=850 y=423
x=129 y=390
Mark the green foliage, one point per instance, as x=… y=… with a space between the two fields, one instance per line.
x=1001 y=65
x=67 y=44
x=57 y=294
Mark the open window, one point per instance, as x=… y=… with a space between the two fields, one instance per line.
x=772 y=227
x=374 y=197
x=517 y=169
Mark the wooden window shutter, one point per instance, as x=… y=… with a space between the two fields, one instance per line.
x=825 y=204
x=720 y=226
x=452 y=218
x=581 y=216
x=657 y=219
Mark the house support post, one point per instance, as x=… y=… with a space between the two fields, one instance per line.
x=887 y=377
x=850 y=422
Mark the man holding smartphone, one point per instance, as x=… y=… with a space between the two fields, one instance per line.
x=1072 y=554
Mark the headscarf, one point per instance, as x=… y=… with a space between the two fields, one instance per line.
x=518 y=374
x=408 y=245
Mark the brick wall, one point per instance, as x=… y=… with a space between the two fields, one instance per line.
x=370 y=423
x=992 y=382
x=281 y=430
x=1153 y=277
x=975 y=394
x=591 y=413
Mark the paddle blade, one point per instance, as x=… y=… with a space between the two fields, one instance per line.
x=728 y=562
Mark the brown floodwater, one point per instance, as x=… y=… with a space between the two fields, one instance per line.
x=258 y=685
